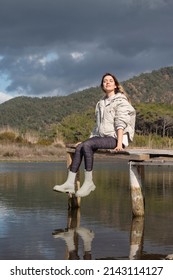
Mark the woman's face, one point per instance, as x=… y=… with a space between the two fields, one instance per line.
x=109 y=85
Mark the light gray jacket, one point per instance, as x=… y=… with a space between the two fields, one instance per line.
x=114 y=113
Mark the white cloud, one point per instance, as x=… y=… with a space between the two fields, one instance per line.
x=48 y=58
x=151 y=4
x=4 y=97
x=41 y=59
x=78 y=56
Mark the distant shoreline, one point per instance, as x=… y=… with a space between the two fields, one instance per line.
x=22 y=153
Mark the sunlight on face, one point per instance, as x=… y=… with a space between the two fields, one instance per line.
x=109 y=85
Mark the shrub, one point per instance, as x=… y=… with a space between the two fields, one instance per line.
x=152 y=141
x=7 y=136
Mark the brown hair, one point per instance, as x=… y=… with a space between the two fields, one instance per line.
x=119 y=88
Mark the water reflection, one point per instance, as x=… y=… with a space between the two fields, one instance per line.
x=103 y=228
x=71 y=234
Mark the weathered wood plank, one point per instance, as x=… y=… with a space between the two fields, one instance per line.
x=132 y=154
x=157 y=152
x=123 y=155
x=154 y=162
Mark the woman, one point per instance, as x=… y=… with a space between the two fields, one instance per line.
x=115 y=123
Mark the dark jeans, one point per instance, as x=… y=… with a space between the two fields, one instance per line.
x=87 y=148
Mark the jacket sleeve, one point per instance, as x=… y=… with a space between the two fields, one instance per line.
x=95 y=129
x=124 y=114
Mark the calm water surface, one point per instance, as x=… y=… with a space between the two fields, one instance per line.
x=35 y=222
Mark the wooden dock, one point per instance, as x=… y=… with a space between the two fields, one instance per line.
x=138 y=159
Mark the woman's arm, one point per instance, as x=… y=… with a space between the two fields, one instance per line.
x=119 y=146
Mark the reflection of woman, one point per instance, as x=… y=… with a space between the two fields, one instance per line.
x=115 y=122
x=68 y=236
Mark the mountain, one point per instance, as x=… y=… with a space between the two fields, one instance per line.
x=39 y=113
x=36 y=113
x=154 y=87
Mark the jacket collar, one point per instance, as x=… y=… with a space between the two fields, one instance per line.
x=111 y=99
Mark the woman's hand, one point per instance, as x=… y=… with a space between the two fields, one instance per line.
x=118 y=148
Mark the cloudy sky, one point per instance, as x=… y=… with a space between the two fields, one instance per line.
x=56 y=47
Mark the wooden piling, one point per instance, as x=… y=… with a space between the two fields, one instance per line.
x=73 y=201
x=137 y=197
x=136 y=238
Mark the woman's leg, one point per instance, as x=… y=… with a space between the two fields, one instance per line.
x=69 y=185
x=93 y=144
x=77 y=158
x=88 y=148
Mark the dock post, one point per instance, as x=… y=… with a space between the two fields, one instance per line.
x=136 y=238
x=136 y=190
x=73 y=201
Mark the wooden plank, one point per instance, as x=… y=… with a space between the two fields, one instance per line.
x=121 y=154
x=70 y=150
x=138 y=150
x=154 y=162
x=131 y=154
x=157 y=152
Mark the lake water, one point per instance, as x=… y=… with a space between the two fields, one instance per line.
x=35 y=222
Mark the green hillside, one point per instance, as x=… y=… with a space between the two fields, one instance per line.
x=155 y=87
x=38 y=113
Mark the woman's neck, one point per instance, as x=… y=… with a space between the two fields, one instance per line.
x=110 y=94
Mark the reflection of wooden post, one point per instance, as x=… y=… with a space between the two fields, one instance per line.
x=136 y=190
x=73 y=222
x=136 y=238
x=73 y=218
x=73 y=201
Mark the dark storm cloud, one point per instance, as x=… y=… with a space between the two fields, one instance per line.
x=60 y=46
